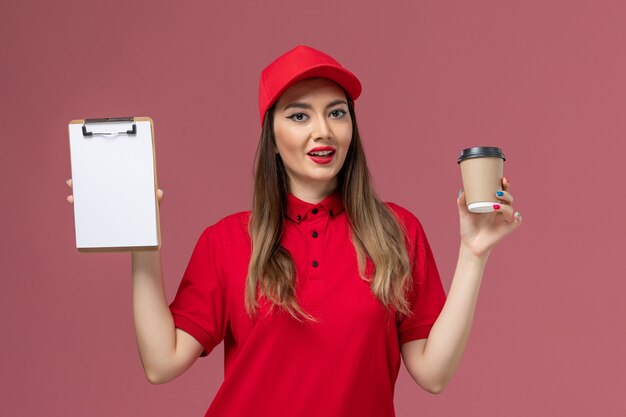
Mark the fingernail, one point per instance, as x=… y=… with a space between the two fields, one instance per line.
x=519 y=215
x=499 y=193
x=496 y=206
x=459 y=193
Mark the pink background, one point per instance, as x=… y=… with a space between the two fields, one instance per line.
x=543 y=80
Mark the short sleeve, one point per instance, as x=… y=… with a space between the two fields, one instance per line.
x=426 y=295
x=199 y=307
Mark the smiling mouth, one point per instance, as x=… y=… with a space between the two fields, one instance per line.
x=321 y=154
x=323 y=159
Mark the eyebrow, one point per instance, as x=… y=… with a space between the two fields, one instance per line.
x=308 y=106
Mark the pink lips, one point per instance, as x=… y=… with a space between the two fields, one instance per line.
x=322 y=159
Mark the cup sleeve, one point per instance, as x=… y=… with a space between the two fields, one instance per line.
x=199 y=307
x=426 y=294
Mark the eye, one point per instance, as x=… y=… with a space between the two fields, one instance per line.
x=338 y=113
x=298 y=117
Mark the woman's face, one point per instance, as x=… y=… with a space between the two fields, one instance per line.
x=312 y=116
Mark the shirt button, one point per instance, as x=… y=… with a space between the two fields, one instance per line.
x=314 y=211
x=315 y=264
x=298 y=217
x=315 y=234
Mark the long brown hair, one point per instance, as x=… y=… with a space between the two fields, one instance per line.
x=375 y=231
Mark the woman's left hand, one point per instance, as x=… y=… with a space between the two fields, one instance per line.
x=481 y=232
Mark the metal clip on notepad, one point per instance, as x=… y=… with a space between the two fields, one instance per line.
x=133 y=131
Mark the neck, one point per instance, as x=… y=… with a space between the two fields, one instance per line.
x=313 y=193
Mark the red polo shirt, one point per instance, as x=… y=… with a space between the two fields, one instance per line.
x=344 y=365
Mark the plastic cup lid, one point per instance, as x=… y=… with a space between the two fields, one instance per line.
x=480 y=152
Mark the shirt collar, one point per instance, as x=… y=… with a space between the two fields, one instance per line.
x=298 y=210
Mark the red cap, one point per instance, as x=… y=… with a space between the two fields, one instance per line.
x=298 y=64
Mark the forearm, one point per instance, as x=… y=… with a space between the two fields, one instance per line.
x=448 y=336
x=154 y=325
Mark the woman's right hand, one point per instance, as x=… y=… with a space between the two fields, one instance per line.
x=70 y=198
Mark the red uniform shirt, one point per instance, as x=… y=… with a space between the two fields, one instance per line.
x=344 y=365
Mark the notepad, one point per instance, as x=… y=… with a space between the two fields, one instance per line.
x=114 y=184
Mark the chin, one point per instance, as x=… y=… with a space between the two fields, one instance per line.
x=325 y=177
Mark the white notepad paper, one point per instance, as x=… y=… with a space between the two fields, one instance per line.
x=114 y=186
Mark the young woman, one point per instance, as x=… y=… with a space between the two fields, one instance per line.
x=320 y=289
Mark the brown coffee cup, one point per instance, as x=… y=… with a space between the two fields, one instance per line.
x=482 y=169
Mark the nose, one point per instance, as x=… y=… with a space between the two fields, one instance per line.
x=321 y=128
